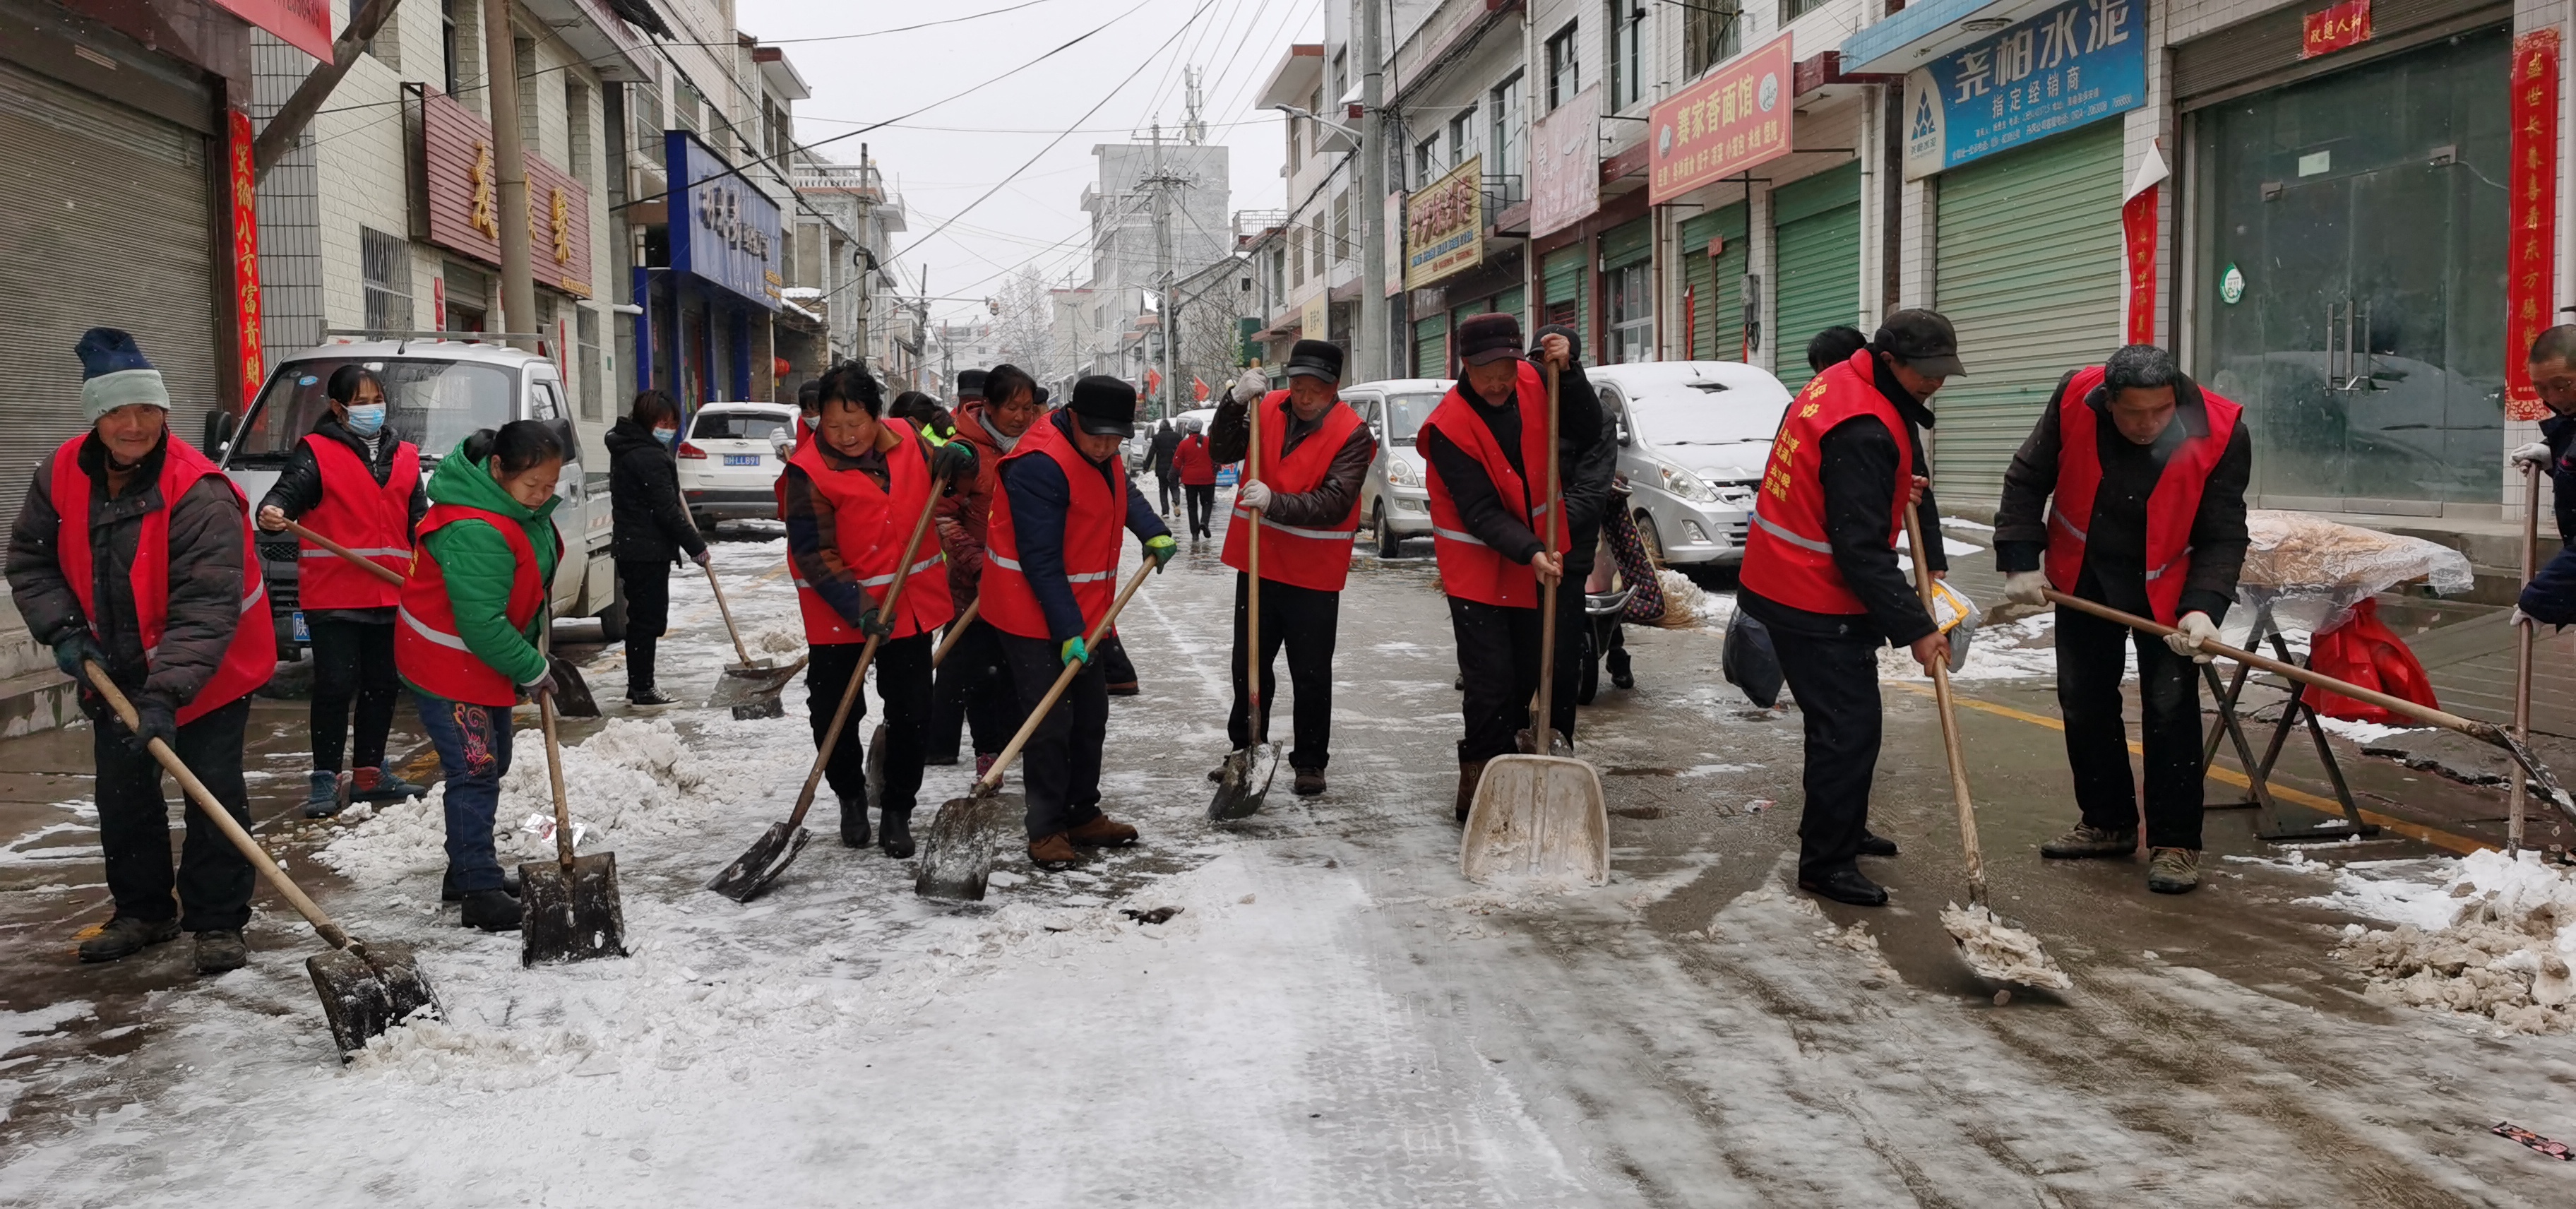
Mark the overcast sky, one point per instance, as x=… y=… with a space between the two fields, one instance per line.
x=944 y=160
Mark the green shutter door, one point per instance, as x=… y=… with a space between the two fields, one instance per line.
x=1717 y=283
x=1510 y=302
x=2026 y=265
x=1431 y=347
x=1818 y=261
x=1565 y=279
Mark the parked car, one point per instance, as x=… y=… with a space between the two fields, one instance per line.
x=729 y=462
x=437 y=391
x=1395 y=499
x=1693 y=436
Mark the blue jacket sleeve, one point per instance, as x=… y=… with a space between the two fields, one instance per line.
x=1039 y=500
x=1142 y=520
x=2550 y=597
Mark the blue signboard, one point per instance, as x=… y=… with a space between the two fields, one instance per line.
x=723 y=228
x=2076 y=63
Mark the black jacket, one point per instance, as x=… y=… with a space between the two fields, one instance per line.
x=644 y=496
x=1159 y=456
x=2560 y=432
x=299 y=490
x=1855 y=461
x=1584 y=473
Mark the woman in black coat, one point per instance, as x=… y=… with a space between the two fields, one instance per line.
x=653 y=528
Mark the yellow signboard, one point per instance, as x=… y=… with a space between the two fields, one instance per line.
x=1444 y=225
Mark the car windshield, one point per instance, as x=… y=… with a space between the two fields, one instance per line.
x=1405 y=414
x=736 y=426
x=431 y=403
x=1692 y=418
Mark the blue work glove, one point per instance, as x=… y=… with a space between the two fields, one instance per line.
x=71 y=651
x=155 y=719
x=1161 y=549
x=873 y=621
x=1073 y=650
x=954 y=461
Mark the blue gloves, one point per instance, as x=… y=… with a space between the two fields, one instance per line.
x=1073 y=650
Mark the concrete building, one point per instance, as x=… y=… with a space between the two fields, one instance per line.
x=842 y=265
x=1189 y=182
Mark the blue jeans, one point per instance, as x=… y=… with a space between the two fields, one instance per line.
x=473 y=744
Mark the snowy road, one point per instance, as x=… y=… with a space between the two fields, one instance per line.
x=1333 y=1018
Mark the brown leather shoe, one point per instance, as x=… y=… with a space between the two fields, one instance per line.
x=1468 y=776
x=1054 y=852
x=1102 y=831
x=1310 y=781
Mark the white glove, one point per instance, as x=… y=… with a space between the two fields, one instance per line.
x=1249 y=388
x=2533 y=454
x=2194 y=629
x=1254 y=495
x=782 y=444
x=2026 y=587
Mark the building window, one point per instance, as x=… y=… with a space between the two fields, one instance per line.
x=1462 y=136
x=1341 y=228
x=1296 y=152
x=645 y=102
x=586 y=325
x=384 y=263
x=1316 y=247
x=577 y=130
x=685 y=104
x=523 y=57
x=1632 y=313
x=1625 y=55
x=1709 y=35
x=1564 y=69
x=1791 y=10
x=386 y=46
x=1296 y=254
x=1426 y=161
x=1341 y=74
x=1508 y=155
x=447 y=44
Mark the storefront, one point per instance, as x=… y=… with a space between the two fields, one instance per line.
x=458 y=208
x=1628 y=293
x=1716 y=252
x=707 y=312
x=1816 y=261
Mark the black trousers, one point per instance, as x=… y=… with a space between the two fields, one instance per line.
x=1498 y=659
x=352 y=661
x=2089 y=671
x=1305 y=621
x=1061 y=764
x=974 y=695
x=1202 y=509
x=1167 y=488
x=902 y=669
x=212 y=880
x=1836 y=684
x=1111 y=658
x=647 y=583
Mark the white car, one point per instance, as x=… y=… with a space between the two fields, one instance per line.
x=729 y=462
x=1693 y=436
x=1395 y=498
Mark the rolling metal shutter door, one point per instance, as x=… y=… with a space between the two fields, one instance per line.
x=1565 y=286
x=1818 y=260
x=1717 y=318
x=2027 y=268
x=1627 y=244
x=1431 y=347
x=1512 y=302
x=124 y=241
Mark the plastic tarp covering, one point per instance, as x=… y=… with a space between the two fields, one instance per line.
x=2312 y=570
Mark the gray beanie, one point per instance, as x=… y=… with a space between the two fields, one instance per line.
x=115 y=374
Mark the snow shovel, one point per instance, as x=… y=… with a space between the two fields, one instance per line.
x=957 y=850
x=750 y=688
x=1540 y=815
x=2522 y=640
x=568 y=907
x=2542 y=779
x=365 y=988
x=1244 y=780
x=876 y=738
x=769 y=856
x=1993 y=949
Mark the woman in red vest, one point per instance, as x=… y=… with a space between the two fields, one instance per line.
x=1198 y=479
x=853 y=495
x=468 y=643
x=353 y=482
x=1314 y=454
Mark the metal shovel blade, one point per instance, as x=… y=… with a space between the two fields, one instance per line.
x=1537 y=816
x=572 y=693
x=1244 y=781
x=751 y=689
x=570 y=916
x=768 y=856
x=957 y=850
x=368 y=989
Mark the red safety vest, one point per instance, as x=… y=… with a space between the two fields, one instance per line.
x=251 y=657
x=1787 y=556
x=1092 y=523
x=778 y=487
x=370 y=520
x=870 y=524
x=1308 y=558
x=2171 y=507
x=1191 y=462
x=427 y=650
x=1469 y=569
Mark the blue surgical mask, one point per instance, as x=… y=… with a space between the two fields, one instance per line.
x=666 y=435
x=367 y=421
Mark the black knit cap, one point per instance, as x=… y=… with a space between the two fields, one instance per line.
x=1491 y=336
x=1104 y=406
x=970 y=384
x=1315 y=359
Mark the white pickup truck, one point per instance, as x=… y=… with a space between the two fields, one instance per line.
x=438 y=389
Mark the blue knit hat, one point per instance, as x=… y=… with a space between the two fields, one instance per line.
x=115 y=374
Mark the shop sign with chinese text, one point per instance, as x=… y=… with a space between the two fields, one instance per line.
x=302 y=24
x=1735 y=117
x=1565 y=164
x=2077 y=63
x=2327 y=31
x=723 y=228
x=462 y=184
x=1444 y=225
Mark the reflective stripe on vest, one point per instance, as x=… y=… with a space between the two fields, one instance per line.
x=1470 y=569
x=1082 y=578
x=1316 y=558
x=2171 y=507
x=1788 y=554
x=373 y=519
x=427 y=645
x=1808 y=543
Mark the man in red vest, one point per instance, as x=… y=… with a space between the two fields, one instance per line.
x=1050 y=573
x=2130 y=492
x=1486 y=446
x=1820 y=572
x=1314 y=453
x=132 y=551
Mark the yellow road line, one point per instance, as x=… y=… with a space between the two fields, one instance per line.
x=2430 y=835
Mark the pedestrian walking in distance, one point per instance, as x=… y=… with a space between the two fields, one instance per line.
x=473 y=614
x=653 y=530
x=1820 y=572
x=1167 y=477
x=2550 y=597
x=354 y=482
x=974 y=692
x=2130 y=492
x=134 y=552
x=854 y=494
x=1315 y=451
x=1050 y=574
x=1197 y=471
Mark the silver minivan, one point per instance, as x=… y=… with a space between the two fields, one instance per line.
x=1395 y=500
x=1693 y=436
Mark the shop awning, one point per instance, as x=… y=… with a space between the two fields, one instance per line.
x=1923 y=31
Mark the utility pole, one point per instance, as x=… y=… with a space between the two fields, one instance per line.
x=867 y=257
x=1162 y=182
x=501 y=80
x=1370 y=343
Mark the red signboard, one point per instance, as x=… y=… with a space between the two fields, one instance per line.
x=243 y=208
x=2344 y=25
x=1733 y=118
x=463 y=187
x=2531 y=214
x=305 y=24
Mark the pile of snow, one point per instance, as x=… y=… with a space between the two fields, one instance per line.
x=777 y=640
x=1998 y=951
x=1684 y=602
x=2495 y=939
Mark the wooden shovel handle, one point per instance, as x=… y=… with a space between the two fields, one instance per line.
x=956 y=629
x=1002 y=763
x=1967 y=808
x=1254 y=724
x=740 y=652
x=2522 y=663
x=867 y=655
x=1546 y=709
x=222 y=818
x=377 y=569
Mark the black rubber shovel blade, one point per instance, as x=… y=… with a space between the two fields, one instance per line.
x=572 y=693
x=958 y=849
x=768 y=856
x=1244 y=781
x=570 y=916
x=366 y=992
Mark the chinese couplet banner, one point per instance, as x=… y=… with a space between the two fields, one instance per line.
x=2531 y=214
x=2332 y=29
x=2138 y=239
x=244 y=213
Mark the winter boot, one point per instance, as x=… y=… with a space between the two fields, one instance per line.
x=325 y=798
x=894 y=833
x=1844 y=886
x=450 y=892
x=125 y=936
x=381 y=784
x=1102 y=831
x=1874 y=844
x=854 y=822
x=2087 y=840
x=1054 y=852
x=221 y=949
x=1310 y=781
x=649 y=696
x=490 y=910
x=2173 y=870
x=1469 y=773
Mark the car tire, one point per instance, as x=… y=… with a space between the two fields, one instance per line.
x=612 y=620
x=1650 y=537
x=706 y=524
x=1388 y=544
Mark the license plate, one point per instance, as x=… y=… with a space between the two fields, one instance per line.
x=302 y=634
x=742 y=459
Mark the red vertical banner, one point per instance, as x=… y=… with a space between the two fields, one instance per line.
x=244 y=211
x=2531 y=223
x=2138 y=247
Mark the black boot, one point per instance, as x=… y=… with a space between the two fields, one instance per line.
x=854 y=822
x=490 y=910
x=451 y=891
x=894 y=832
x=639 y=672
